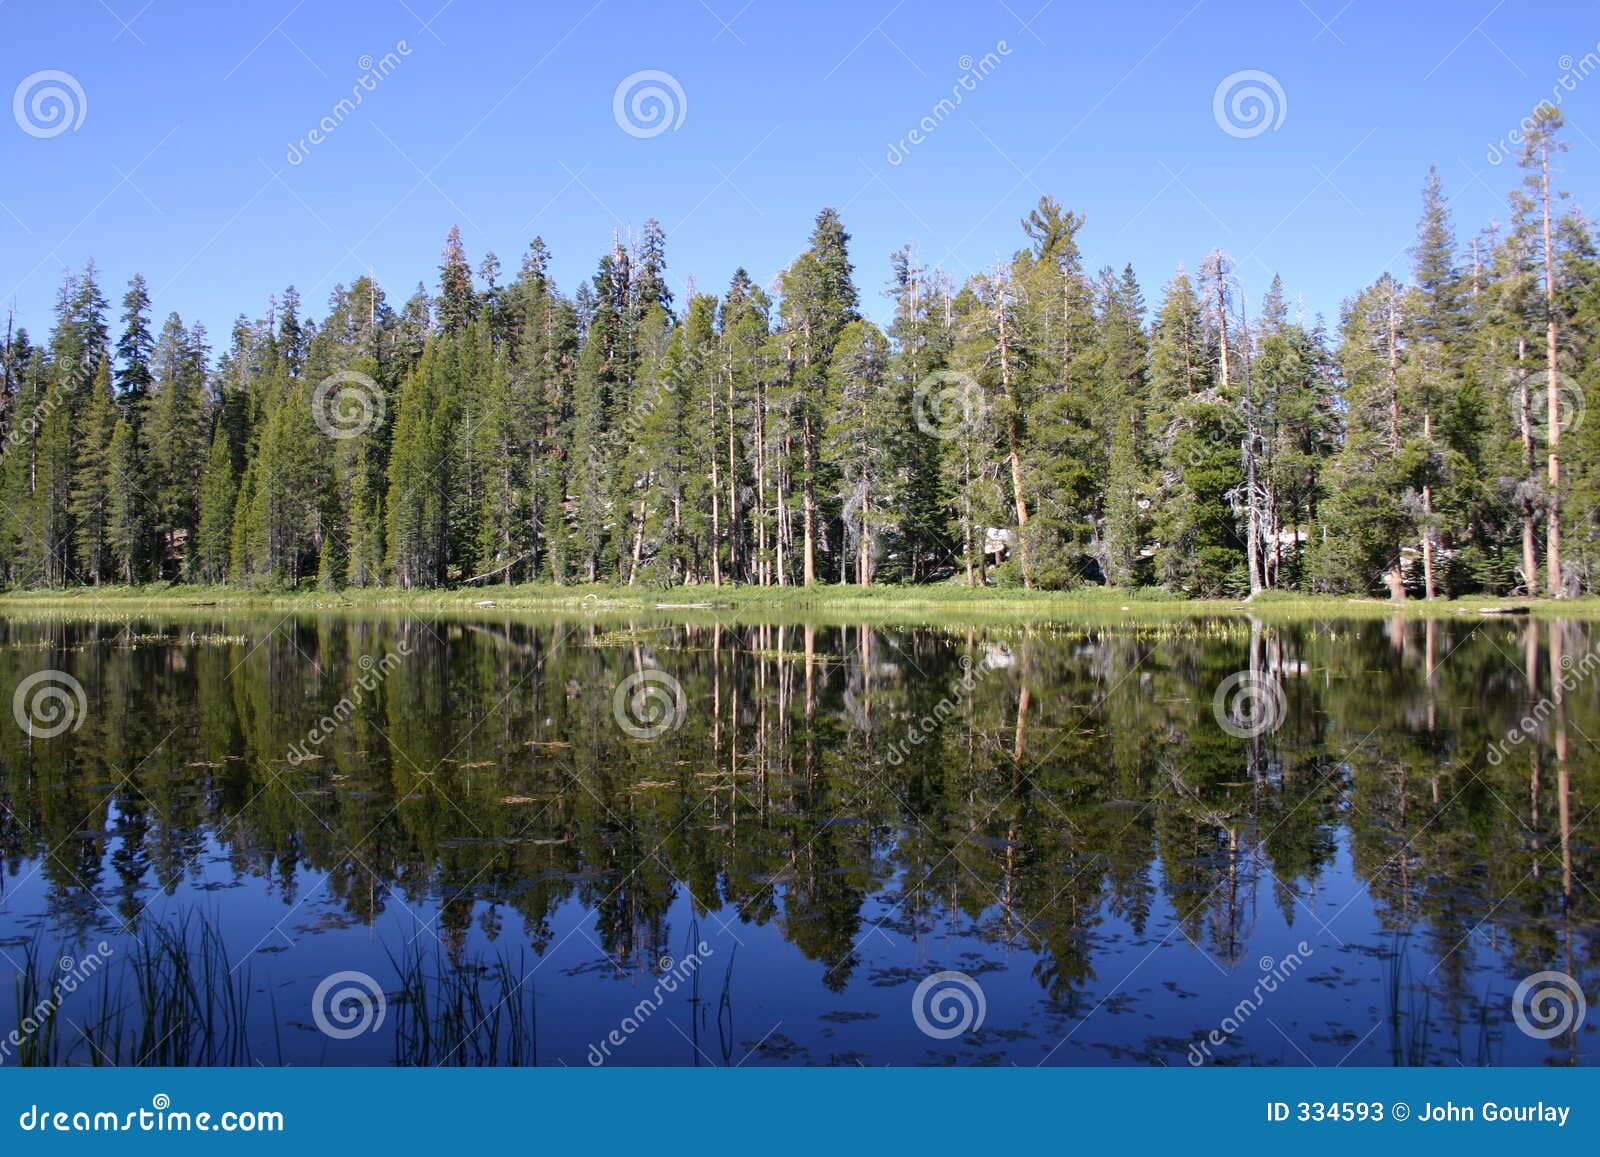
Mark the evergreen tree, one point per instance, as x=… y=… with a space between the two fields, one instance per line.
x=458 y=303
x=93 y=481
x=1028 y=419
x=1127 y=492
x=136 y=344
x=218 y=492
x=861 y=445
x=819 y=300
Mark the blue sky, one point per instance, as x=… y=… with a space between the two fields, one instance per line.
x=500 y=117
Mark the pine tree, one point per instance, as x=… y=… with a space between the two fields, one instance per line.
x=218 y=492
x=136 y=344
x=860 y=443
x=1123 y=358
x=742 y=337
x=922 y=335
x=1540 y=145
x=1368 y=525
x=176 y=427
x=1198 y=437
x=819 y=300
x=1435 y=354
x=1068 y=432
x=993 y=357
x=419 y=490
x=93 y=480
x=127 y=513
x=1030 y=417
x=458 y=303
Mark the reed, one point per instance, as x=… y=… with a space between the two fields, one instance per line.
x=475 y=1013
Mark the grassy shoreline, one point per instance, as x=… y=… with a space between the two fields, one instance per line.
x=830 y=603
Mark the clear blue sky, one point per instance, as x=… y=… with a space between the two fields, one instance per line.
x=499 y=117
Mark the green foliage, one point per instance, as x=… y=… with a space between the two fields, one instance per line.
x=1030 y=426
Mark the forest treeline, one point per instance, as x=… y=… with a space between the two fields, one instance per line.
x=1033 y=425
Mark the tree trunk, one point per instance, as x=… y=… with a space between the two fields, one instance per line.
x=864 y=552
x=808 y=505
x=1552 y=393
x=733 y=489
x=1530 y=551
x=1429 y=590
x=1013 y=453
x=1252 y=548
x=1396 y=580
x=716 y=495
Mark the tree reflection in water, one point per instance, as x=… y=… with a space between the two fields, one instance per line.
x=1056 y=811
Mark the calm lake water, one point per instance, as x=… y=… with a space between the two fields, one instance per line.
x=344 y=840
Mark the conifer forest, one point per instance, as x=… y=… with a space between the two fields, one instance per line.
x=1037 y=424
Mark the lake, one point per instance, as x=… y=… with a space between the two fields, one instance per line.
x=240 y=839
